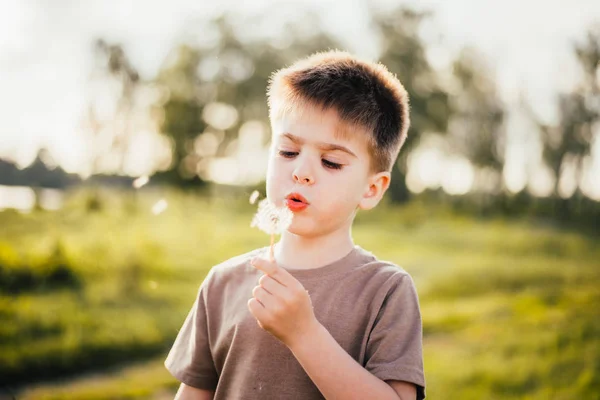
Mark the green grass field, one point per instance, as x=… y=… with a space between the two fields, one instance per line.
x=91 y=301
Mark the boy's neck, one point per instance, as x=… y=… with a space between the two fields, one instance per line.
x=298 y=252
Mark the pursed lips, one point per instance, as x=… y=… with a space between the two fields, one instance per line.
x=297 y=197
x=296 y=202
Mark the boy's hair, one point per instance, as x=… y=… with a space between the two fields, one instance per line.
x=364 y=94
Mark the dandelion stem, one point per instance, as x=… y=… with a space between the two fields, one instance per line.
x=271 y=253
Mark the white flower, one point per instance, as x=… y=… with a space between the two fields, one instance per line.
x=271 y=219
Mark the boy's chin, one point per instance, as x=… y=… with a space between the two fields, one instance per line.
x=303 y=230
x=297 y=229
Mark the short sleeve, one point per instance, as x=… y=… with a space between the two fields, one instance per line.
x=190 y=359
x=395 y=344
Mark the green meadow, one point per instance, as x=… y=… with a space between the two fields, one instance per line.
x=92 y=295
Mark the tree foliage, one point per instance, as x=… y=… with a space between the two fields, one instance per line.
x=571 y=139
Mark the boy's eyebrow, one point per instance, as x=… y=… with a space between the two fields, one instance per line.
x=321 y=145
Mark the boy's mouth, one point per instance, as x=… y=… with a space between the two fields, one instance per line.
x=296 y=202
x=297 y=198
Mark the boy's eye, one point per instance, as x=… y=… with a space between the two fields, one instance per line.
x=331 y=165
x=326 y=163
x=287 y=154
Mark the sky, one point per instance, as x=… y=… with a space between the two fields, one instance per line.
x=46 y=57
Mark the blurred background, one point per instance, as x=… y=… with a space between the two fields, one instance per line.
x=133 y=133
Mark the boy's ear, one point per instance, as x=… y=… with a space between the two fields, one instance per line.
x=377 y=185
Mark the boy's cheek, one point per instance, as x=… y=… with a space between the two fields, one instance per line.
x=276 y=172
x=274 y=165
x=273 y=187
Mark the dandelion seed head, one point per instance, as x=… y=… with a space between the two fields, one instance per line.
x=271 y=219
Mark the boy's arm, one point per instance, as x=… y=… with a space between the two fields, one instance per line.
x=190 y=360
x=186 y=392
x=339 y=376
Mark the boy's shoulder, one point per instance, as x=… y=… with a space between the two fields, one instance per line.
x=384 y=270
x=385 y=277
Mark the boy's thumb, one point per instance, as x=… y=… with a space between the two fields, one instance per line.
x=264 y=265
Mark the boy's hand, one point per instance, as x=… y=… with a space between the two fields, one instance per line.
x=280 y=304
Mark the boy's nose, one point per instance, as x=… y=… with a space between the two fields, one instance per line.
x=304 y=180
x=303 y=176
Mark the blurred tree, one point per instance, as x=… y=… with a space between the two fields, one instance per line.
x=476 y=128
x=182 y=108
x=9 y=173
x=116 y=72
x=404 y=54
x=45 y=172
x=570 y=141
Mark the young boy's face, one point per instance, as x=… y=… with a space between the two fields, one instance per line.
x=331 y=175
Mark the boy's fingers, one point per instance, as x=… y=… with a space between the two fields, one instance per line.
x=272 y=286
x=256 y=309
x=272 y=269
x=263 y=265
x=263 y=297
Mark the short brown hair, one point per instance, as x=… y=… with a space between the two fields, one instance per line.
x=364 y=94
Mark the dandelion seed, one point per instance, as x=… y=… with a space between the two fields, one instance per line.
x=254 y=196
x=141 y=181
x=159 y=206
x=272 y=220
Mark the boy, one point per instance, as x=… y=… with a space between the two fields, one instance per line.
x=327 y=319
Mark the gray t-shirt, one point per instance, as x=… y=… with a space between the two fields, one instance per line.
x=369 y=306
